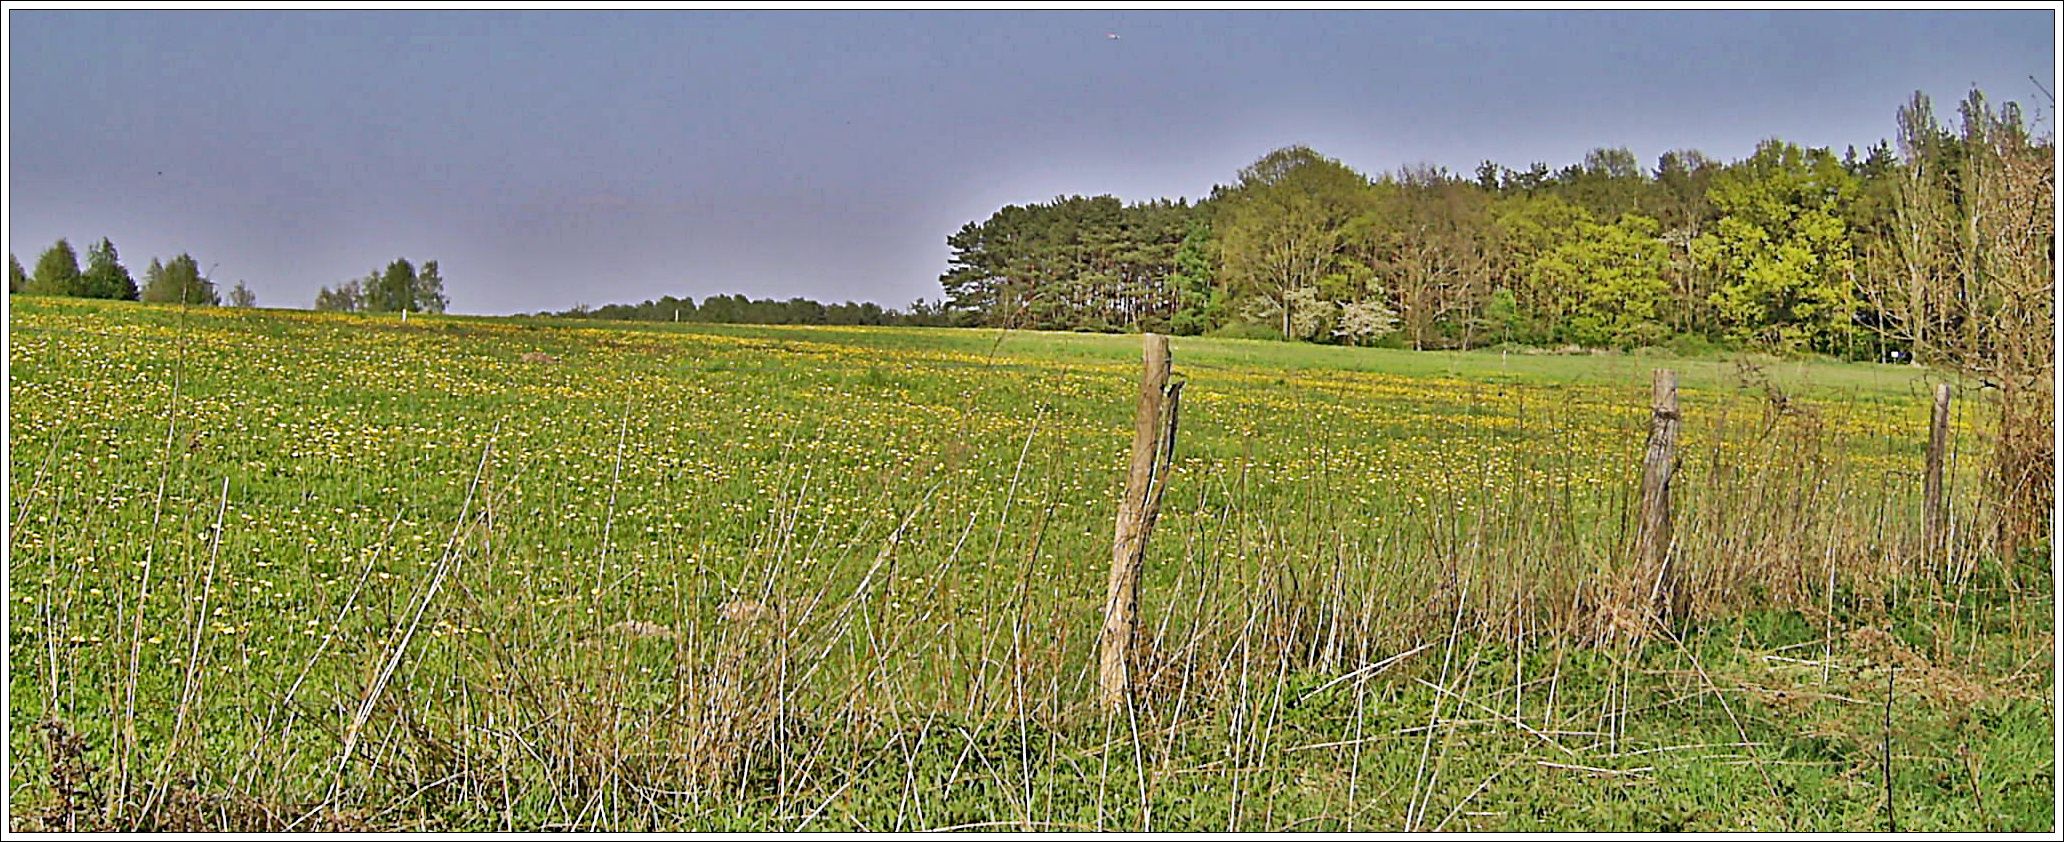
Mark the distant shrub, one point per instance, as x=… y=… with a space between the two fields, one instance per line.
x=1692 y=345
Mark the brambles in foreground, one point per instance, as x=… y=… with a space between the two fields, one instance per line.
x=1741 y=735
x=922 y=519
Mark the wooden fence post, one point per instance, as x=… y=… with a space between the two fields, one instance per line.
x=1934 y=514
x=1153 y=445
x=1668 y=597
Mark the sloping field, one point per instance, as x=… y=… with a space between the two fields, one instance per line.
x=273 y=568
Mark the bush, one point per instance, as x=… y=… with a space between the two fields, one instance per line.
x=1692 y=345
x=1640 y=335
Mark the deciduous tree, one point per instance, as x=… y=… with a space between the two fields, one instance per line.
x=392 y=290
x=179 y=280
x=57 y=272
x=1783 y=250
x=104 y=276
x=402 y=287
x=1284 y=226
x=429 y=294
x=1618 y=271
x=1431 y=247
x=1976 y=229
x=348 y=297
x=1526 y=228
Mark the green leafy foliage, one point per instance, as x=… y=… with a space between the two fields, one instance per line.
x=1792 y=249
x=1282 y=229
x=179 y=281
x=348 y=297
x=400 y=287
x=57 y=272
x=1529 y=228
x=104 y=276
x=1782 y=247
x=1616 y=272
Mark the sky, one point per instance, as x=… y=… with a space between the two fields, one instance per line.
x=547 y=160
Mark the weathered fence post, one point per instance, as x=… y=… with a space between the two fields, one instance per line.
x=1934 y=514
x=1668 y=598
x=1153 y=443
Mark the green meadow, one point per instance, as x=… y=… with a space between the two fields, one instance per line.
x=280 y=569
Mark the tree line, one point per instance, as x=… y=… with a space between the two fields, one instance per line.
x=1790 y=249
x=400 y=287
x=737 y=309
x=179 y=280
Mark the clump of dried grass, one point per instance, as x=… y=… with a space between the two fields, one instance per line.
x=745 y=612
x=643 y=629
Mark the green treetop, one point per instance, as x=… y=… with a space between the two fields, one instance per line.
x=57 y=272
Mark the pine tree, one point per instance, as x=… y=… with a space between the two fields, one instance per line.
x=16 y=278
x=1192 y=281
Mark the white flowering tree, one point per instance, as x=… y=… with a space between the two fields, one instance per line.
x=1364 y=320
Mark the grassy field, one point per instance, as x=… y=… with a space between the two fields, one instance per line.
x=273 y=569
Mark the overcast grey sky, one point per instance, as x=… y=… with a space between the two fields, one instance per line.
x=551 y=159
